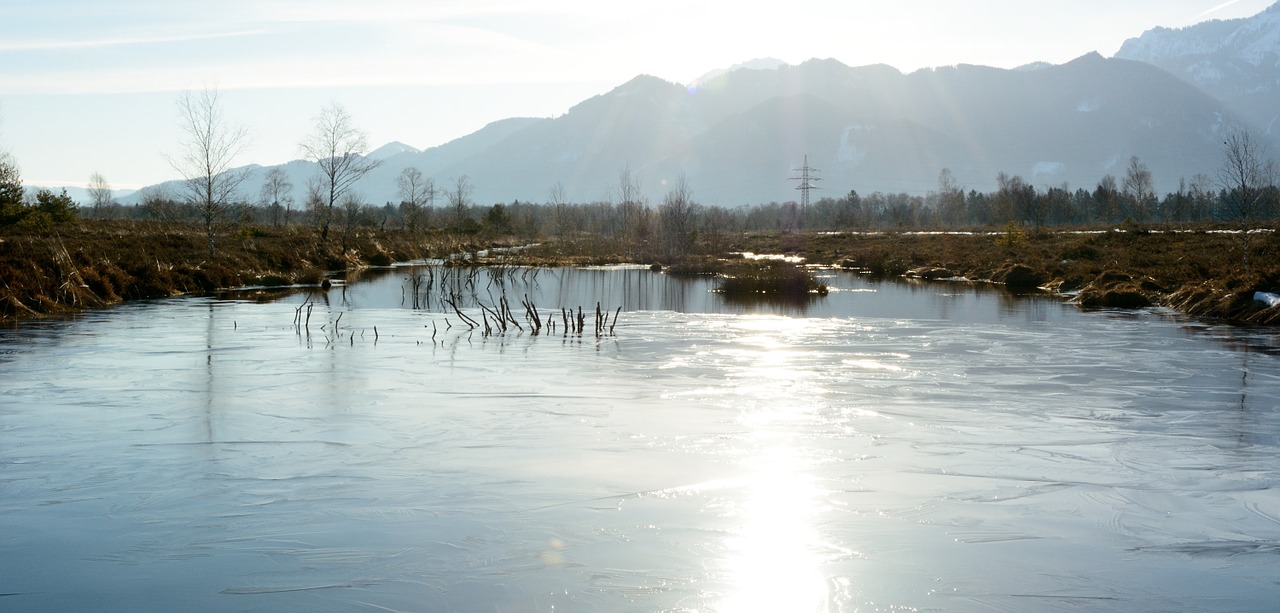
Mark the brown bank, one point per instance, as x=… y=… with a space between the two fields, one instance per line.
x=1199 y=271
x=91 y=264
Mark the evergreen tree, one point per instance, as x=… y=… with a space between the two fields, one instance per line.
x=57 y=208
x=11 y=207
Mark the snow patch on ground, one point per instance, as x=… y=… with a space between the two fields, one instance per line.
x=1271 y=299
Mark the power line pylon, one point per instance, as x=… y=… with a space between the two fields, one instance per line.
x=807 y=178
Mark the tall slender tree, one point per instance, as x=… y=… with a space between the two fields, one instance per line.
x=559 y=203
x=676 y=215
x=1139 y=187
x=416 y=192
x=210 y=145
x=337 y=147
x=460 y=200
x=633 y=210
x=99 y=193
x=277 y=194
x=1244 y=176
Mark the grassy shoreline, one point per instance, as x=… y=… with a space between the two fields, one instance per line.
x=92 y=264
x=1197 y=271
x=85 y=265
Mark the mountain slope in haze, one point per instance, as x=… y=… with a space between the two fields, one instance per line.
x=737 y=137
x=1236 y=61
x=391 y=150
x=762 y=63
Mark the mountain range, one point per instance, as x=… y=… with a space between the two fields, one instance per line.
x=738 y=135
x=1237 y=61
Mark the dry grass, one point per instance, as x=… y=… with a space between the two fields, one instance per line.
x=1108 y=268
x=92 y=264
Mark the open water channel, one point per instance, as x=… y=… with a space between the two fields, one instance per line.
x=889 y=447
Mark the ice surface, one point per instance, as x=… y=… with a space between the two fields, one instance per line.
x=890 y=447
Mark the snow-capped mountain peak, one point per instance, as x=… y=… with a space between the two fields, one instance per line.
x=1236 y=61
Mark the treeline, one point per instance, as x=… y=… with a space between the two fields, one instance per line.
x=677 y=225
x=1244 y=192
x=1016 y=201
x=40 y=208
x=1022 y=203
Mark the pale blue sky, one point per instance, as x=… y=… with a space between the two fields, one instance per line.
x=87 y=85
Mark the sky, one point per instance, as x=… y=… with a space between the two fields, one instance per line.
x=91 y=86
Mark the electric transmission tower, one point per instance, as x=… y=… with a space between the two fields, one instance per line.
x=807 y=177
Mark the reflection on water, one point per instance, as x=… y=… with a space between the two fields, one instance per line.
x=891 y=446
x=774 y=556
x=636 y=288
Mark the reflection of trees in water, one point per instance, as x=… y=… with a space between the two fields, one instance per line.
x=210 y=378
x=794 y=306
x=1251 y=429
x=1253 y=421
x=1244 y=379
x=1025 y=301
x=1264 y=341
x=632 y=288
x=437 y=288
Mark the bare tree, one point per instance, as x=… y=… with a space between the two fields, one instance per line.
x=416 y=192
x=315 y=203
x=351 y=215
x=676 y=215
x=950 y=198
x=460 y=199
x=1139 y=187
x=99 y=193
x=277 y=194
x=715 y=223
x=633 y=209
x=337 y=147
x=210 y=145
x=559 y=203
x=157 y=203
x=1244 y=176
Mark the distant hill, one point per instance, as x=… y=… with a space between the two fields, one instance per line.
x=1237 y=61
x=391 y=150
x=738 y=135
x=764 y=63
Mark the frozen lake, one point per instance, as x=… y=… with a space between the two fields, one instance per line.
x=890 y=447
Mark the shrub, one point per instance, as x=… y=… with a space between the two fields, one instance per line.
x=1014 y=237
x=771 y=278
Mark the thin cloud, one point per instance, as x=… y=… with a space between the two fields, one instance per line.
x=54 y=45
x=1224 y=5
x=402 y=11
x=290 y=73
